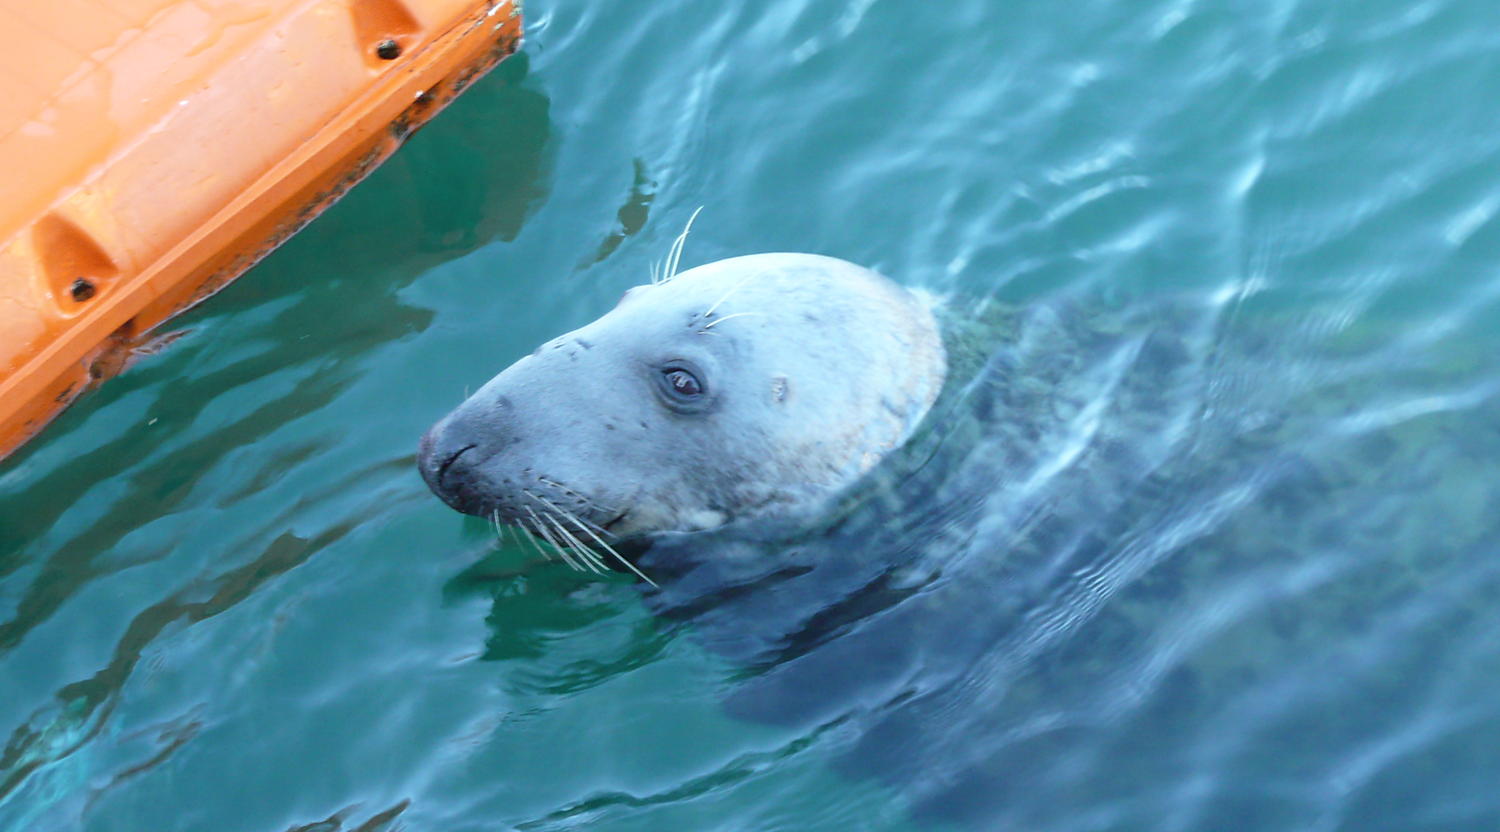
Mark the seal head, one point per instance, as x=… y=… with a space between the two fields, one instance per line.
x=739 y=388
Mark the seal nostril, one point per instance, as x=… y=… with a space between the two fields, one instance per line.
x=443 y=469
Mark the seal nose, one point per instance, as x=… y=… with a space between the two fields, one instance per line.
x=457 y=454
x=438 y=458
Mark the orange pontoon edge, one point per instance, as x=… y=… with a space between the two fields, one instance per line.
x=157 y=153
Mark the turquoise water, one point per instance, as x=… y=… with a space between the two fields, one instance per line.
x=1219 y=556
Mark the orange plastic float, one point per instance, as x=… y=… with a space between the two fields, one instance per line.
x=156 y=149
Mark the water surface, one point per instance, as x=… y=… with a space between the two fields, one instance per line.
x=1213 y=545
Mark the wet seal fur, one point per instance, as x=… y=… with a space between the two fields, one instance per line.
x=748 y=387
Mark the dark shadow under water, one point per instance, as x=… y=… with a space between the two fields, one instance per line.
x=1138 y=567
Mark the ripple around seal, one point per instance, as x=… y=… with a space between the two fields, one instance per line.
x=1207 y=541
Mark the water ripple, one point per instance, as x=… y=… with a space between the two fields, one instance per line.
x=1203 y=539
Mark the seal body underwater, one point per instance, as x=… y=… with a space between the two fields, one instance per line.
x=742 y=388
x=1120 y=522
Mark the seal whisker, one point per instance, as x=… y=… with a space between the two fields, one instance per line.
x=674 y=255
x=537 y=538
x=715 y=321
x=735 y=288
x=505 y=532
x=608 y=548
x=509 y=535
x=530 y=538
x=567 y=515
x=559 y=486
x=583 y=552
x=619 y=557
x=567 y=558
x=561 y=550
x=575 y=548
x=583 y=525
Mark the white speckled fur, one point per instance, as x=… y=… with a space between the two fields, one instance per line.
x=816 y=368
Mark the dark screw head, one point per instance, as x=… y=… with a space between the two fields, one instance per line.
x=388 y=50
x=82 y=289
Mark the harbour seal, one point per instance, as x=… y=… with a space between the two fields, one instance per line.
x=1096 y=538
x=744 y=387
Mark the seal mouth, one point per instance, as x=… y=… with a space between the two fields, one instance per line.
x=610 y=525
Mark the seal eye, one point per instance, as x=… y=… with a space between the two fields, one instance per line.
x=680 y=386
x=683 y=383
